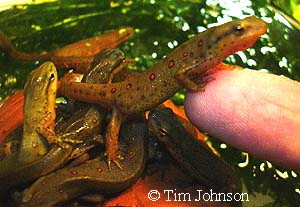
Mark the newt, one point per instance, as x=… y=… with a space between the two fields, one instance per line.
x=103 y=66
x=194 y=156
x=181 y=68
x=92 y=176
x=83 y=125
x=78 y=55
x=85 y=129
x=39 y=112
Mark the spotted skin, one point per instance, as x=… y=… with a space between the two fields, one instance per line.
x=181 y=68
x=39 y=112
x=92 y=176
x=105 y=65
x=83 y=126
x=190 y=61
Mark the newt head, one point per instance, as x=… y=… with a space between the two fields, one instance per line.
x=161 y=124
x=42 y=82
x=234 y=36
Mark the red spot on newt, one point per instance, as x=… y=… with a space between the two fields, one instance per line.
x=152 y=76
x=99 y=170
x=171 y=63
x=60 y=190
x=200 y=43
x=113 y=90
x=74 y=172
x=128 y=86
x=44 y=182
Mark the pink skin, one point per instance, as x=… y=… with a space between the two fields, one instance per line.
x=253 y=111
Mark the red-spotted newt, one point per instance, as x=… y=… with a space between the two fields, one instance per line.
x=83 y=125
x=39 y=112
x=193 y=155
x=93 y=175
x=78 y=55
x=181 y=68
x=85 y=128
x=104 y=64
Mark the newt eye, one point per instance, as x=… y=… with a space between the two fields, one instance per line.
x=52 y=77
x=163 y=132
x=239 y=29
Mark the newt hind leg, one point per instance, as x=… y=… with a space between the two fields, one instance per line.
x=111 y=138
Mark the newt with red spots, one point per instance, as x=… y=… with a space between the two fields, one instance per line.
x=92 y=176
x=181 y=68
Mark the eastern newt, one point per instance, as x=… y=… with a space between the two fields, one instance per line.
x=78 y=55
x=181 y=68
x=195 y=157
x=93 y=175
x=39 y=112
x=85 y=128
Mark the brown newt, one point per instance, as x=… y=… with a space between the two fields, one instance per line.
x=39 y=120
x=86 y=129
x=195 y=157
x=93 y=175
x=83 y=127
x=100 y=69
x=181 y=68
x=78 y=55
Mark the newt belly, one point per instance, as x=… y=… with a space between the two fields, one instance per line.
x=190 y=61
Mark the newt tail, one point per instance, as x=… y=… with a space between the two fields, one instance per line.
x=76 y=55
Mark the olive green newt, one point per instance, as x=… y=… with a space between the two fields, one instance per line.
x=15 y=168
x=183 y=67
x=92 y=176
x=39 y=113
x=85 y=129
x=78 y=55
x=193 y=155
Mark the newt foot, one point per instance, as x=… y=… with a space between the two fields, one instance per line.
x=115 y=161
